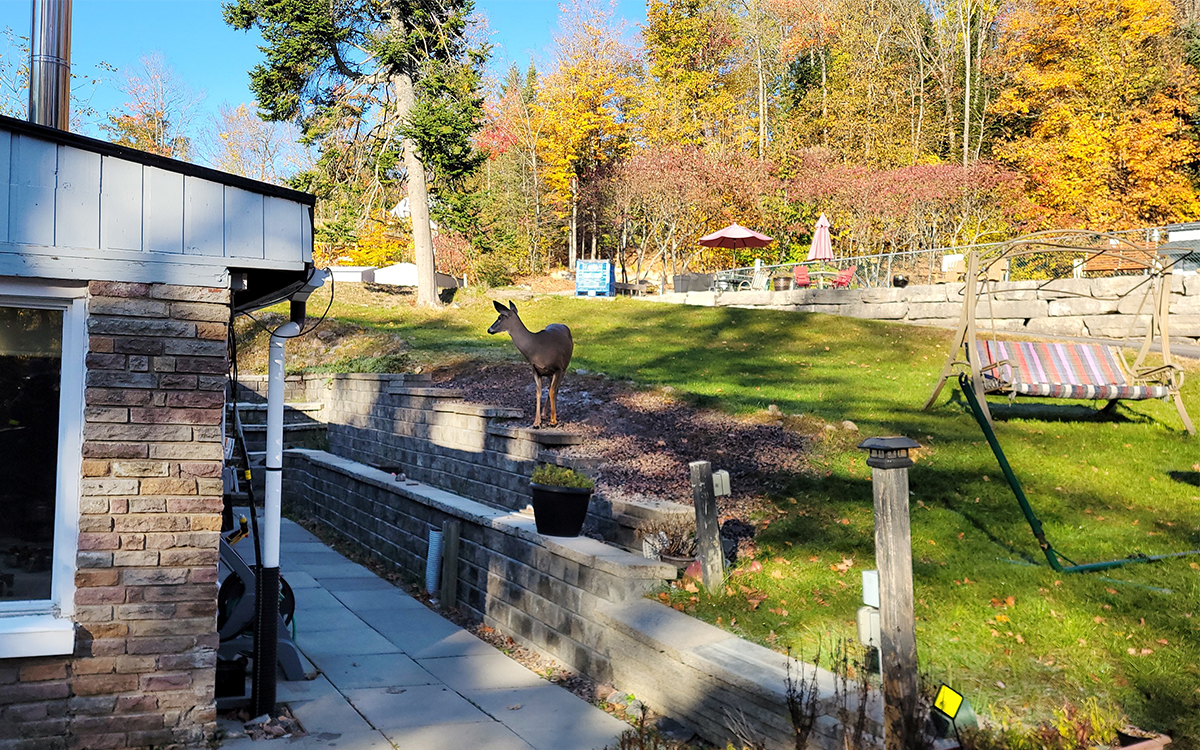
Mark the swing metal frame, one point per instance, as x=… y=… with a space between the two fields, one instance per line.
x=978 y=286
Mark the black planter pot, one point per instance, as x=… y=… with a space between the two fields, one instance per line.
x=559 y=511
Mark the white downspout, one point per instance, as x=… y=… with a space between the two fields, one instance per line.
x=266 y=621
x=273 y=500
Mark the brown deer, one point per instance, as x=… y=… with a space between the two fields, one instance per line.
x=548 y=351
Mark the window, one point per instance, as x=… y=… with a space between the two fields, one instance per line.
x=42 y=345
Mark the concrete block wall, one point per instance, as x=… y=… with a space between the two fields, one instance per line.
x=1102 y=308
x=544 y=590
x=399 y=420
x=578 y=600
x=142 y=673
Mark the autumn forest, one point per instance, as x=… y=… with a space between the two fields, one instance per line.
x=910 y=123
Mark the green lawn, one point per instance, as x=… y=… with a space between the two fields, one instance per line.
x=994 y=620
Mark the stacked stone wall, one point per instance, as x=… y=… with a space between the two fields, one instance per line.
x=142 y=673
x=1101 y=308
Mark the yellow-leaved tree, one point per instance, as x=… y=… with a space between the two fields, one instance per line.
x=583 y=101
x=1094 y=112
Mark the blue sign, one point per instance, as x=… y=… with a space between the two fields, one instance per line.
x=595 y=278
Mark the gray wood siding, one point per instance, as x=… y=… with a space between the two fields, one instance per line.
x=243 y=224
x=77 y=208
x=5 y=180
x=31 y=198
x=64 y=206
x=162 y=217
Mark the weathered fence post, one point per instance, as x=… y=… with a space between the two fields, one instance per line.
x=708 y=528
x=889 y=464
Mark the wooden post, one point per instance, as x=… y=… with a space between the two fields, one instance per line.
x=449 y=593
x=889 y=464
x=708 y=528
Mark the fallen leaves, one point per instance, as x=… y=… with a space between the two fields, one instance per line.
x=844 y=565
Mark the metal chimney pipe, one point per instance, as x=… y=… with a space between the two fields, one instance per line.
x=50 y=64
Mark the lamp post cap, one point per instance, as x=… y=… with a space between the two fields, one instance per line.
x=897 y=443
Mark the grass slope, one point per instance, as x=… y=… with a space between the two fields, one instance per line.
x=993 y=619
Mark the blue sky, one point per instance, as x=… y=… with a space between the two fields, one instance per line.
x=213 y=58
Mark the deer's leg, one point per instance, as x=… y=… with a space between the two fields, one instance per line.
x=537 y=413
x=555 y=379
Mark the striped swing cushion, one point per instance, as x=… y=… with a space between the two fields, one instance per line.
x=1077 y=371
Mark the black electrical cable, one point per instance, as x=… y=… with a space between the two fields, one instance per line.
x=237 y=422
x=303 y=332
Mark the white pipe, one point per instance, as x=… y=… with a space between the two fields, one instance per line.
x=274 y=457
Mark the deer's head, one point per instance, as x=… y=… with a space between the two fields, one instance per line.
x=508 y=318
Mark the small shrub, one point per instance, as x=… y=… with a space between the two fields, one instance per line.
x=1074 y=727
x=561 y=476
x=493 y=270
x=674 y=534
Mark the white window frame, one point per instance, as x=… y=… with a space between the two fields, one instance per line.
x=46 y=627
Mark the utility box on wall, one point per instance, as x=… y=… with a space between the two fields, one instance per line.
x=595 y=278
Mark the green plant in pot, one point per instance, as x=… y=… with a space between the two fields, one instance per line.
x=672 y=537
x=560 y=499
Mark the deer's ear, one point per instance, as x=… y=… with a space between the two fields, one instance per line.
x=499 y=307
x=511 y=306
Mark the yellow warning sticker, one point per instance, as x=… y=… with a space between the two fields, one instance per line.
x=948 y=701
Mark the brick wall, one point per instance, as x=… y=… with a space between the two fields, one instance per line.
x=144 y=664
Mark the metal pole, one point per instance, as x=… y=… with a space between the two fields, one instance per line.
x=889 y=464
x=50 y=64
x=708 y=528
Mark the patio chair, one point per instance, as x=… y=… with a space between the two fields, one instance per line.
x=844 y=278
x=800 y=277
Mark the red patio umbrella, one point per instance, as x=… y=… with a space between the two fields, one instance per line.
x=734 y=236
x=822 y=247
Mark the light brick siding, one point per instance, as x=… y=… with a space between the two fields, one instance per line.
x=150 y=512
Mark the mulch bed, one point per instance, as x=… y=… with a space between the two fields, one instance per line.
x=647 y=436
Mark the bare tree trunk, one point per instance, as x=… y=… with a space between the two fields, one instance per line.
x=418 y=201
x=824 y=103
x=965 y=15
x=762 y=101
x=573 y=240
x=594 y=232
x=983 y=105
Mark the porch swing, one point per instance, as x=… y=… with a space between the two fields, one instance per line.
x=1066 y=370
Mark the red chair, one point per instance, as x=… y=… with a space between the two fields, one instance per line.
x=800 y=276
x=844 y=278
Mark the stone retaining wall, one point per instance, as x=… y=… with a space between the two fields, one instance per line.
x=577 y=600
x=400 y=420
x=478 y=451
x=1101 y=308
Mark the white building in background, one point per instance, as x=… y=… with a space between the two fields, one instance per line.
x=354 y=274
x=400 y=274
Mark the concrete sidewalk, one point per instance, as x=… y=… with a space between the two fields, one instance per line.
x=396 y=674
